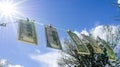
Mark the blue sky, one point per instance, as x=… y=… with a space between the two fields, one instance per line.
x=63 y=14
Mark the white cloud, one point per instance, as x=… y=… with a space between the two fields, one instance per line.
x=78 y=33
x=49 y=59
x=84 y=32
x=4 y=62
x=37 y=50
x=98 y=31
x=15 y=66
x=118 y=1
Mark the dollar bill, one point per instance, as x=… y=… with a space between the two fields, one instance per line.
x=111 y=53
x=81 y=48
x=27 y=32
x=93 y=44
x=52 y=37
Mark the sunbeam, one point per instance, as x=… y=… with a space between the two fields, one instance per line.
x=9 y=9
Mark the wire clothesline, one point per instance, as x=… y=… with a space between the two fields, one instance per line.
x=39 y=23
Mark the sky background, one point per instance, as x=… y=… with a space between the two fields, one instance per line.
x=63 y=14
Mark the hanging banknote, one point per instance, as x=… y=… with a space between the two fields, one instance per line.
x=93 y=44
x=52 y=37
x=27 y=32
x=109 y=49
x=81 y=48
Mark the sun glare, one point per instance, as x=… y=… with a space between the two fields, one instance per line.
x=9 y=9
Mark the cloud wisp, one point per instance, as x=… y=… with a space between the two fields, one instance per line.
x=48 y=59
x=4 y=62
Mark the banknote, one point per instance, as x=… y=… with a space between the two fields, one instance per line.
x=52 y=37
x=93 y=44
x=27 y=32
x=109 y=49
x=81 y=48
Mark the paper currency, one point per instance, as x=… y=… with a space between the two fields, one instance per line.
x=27 y=32
x=81 y=48
x=109 y=49
x=93 y=44
x=52 y=37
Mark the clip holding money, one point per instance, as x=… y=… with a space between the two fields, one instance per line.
x=50 y=25
x=3 y=24
x=28 y=19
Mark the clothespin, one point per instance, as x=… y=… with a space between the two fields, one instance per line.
x=50 y=25
x=3 y=24
x=28 y=19
x=68 y=30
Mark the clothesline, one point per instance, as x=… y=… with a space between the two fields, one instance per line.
x=42 y=24
x=39 y=23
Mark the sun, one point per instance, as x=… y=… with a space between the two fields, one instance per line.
x=9 y=9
